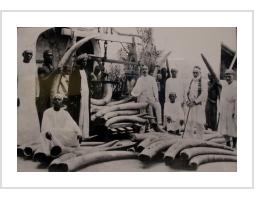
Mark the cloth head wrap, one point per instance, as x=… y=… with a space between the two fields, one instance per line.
x=58 y=96
x=229 y=72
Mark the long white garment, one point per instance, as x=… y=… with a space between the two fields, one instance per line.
x=61 y=125
x=174 y=85
x=146 y=90
x=28 y=127
x=196 y=119
x=228 y=101
x=175 y=112
x=84 y=108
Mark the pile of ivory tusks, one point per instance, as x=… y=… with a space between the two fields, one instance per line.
x=117 y=114
x=142 y=146
x=74 y=158
x=193 y=151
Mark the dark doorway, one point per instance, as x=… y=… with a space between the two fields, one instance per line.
x=86 y=48
x=227 y=56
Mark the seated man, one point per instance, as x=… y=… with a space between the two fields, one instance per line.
x=173 y=114
x=58 y=123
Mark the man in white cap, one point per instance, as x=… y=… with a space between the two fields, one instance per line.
x=173 y=84
x=59 y=124
x=173 y=114
x=146 y=90
x=195 y=100
x=228 y=109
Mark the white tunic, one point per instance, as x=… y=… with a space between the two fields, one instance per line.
x=61 y=125
x=174 y=85
x=175 y=112
x=28 y=127
x=228 y=100
x=146 y=89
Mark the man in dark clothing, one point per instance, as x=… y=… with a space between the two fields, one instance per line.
x=164 y=75
x=74 y=90
x=74 y=94
x=214 y=91
x=46 y=75
x=96 y=85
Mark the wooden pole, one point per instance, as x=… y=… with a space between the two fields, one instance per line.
x=209 y=67
x=233 y=62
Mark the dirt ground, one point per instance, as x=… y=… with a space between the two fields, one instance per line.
x=132 y=165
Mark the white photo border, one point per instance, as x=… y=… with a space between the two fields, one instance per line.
x=243 y=20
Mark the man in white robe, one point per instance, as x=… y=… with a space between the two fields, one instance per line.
x=173 y=114
x=228 y=109
x=173 y=84
x=195 y=100
x=146 y=90
x=59 y=124
x=28 y=126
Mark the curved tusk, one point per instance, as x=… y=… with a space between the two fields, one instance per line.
x=106 y=99
x=65 y=58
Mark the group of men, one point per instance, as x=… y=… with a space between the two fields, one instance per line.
x=186 y=109
x=192 y=108
x=56 y=123
x=77 y=91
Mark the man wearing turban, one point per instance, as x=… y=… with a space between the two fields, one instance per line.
x=228 y=109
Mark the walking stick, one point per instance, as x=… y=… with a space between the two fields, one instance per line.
x=217 y=121
x=186 y=121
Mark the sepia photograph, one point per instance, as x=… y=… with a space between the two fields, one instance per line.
x=127 y=99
